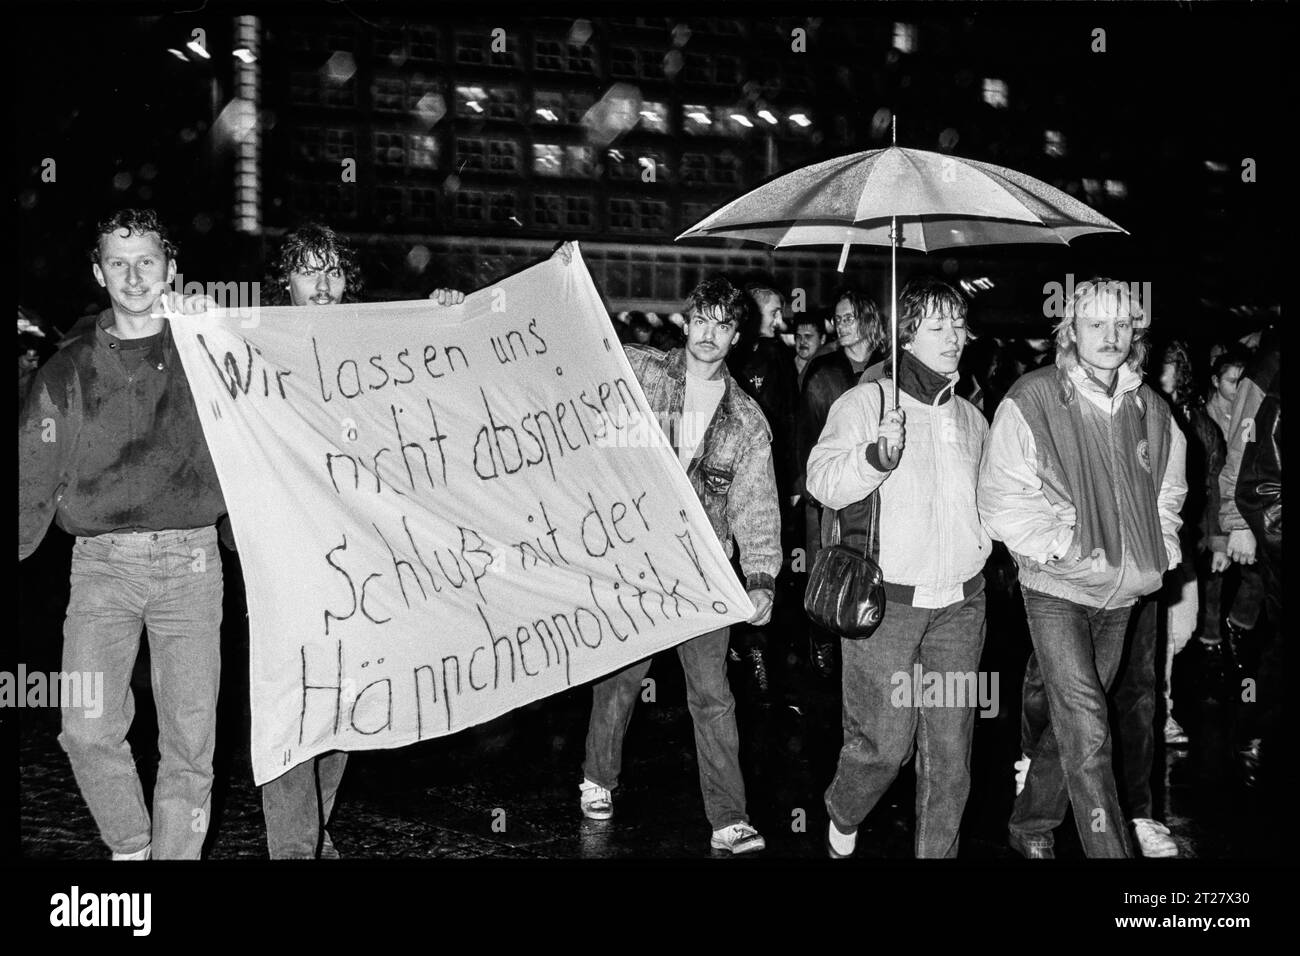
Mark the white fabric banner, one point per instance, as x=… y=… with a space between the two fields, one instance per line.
x=444 y=513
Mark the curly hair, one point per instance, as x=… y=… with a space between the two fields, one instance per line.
x=1177 y=354
x=135 y=222
x=719 y=292
x=1091 y=297
x=305 y=247
x=868 y=315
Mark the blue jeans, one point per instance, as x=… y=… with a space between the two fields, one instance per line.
x=713 y=711
x=297 y=806
x=1077 y=649
x=170 y=583
x=880 y=735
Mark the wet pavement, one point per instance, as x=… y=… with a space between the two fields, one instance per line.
x=509 y=789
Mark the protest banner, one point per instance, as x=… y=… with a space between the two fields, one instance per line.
x=438 y=515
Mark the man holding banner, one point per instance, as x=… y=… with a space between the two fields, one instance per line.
x=723 y=441
x=314 y=266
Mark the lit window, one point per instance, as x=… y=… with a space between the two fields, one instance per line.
x=579 y=161
x=388 y=95
x=696 y=118
x=471 y=153
x=471 y=101
x=548 y=159
x=423 y=151
x=548 y=55
x=341 y=95
x=469 y=48
x=905 y=37
x=546 y=209
x=1092 y=186
x=725 y=123
x=995 y=93
x=506 y=57
x=726 y=170
x=469 y=205
x=654 y=117
x=503 y=156
x=548 y=106
x=1116 y=188
x=577 y=212
x=1054 y=142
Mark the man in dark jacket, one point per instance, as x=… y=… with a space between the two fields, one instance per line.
x=110 y=448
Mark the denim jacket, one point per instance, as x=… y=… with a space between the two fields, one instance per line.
x=732 y=469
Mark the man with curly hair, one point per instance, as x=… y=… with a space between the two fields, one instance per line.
x=1083 y=479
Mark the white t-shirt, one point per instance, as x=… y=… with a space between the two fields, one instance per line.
x=701 y=401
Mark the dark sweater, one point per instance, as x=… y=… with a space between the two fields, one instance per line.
x=109 y=440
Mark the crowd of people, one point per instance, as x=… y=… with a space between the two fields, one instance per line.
x=1115 y=499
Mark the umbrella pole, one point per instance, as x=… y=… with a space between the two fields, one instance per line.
x=893 y=302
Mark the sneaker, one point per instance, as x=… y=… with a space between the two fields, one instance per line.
x=1175 y=736
x=738 y=838
x=1022 y=773
x=145 y=854
x=1153 y=838
x=597 y=802
x=821 y=654
x=758 y=671
x=840 y=845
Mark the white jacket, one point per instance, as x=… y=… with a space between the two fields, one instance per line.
x=930 y=531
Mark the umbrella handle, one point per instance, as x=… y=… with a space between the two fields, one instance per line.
x=889 y=457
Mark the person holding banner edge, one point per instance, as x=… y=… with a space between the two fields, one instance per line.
x=314 y=266
x=724 y=443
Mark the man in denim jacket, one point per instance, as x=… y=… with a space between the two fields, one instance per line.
x=723 y=441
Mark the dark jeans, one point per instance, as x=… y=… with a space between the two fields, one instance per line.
x=1077 y=649
x=1135 y=710
x=713 y=710
x=297 y=806
x=883 y=728
x=1258 y=717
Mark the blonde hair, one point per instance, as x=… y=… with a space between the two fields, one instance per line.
x=1097 y=296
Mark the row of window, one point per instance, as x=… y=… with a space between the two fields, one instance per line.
x=396 y=149
x=420 y=206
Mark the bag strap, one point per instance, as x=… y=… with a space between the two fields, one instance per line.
x=859 y=522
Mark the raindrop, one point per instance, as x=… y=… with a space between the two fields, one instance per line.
x=681 y=34
x=580 y=32
x=188 y=135
x=148 y=172
x=418 y=258
x=880 y=121
x=948 y=138
x=451 y=183
x=28 y=199
x=672 y=63
x=950 y=266
x=122 y=181
x=431 y=108
x=340 y=67
x=202 y=223
x=145 y=192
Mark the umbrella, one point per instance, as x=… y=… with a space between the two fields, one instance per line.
x=908 y=198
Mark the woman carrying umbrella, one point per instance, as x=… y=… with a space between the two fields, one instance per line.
x=932 y=550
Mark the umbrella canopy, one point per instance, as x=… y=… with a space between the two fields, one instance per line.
x=938 y=200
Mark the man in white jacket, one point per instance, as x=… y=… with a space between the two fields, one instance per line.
x=1083 y=478
x=932 y=552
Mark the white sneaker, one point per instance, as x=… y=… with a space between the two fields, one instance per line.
x=737 y=838
x=1175 y=736
x=1153 y=838
x=1022 y=773
x=144 y=854
x=840 y=845
x=597 y=802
